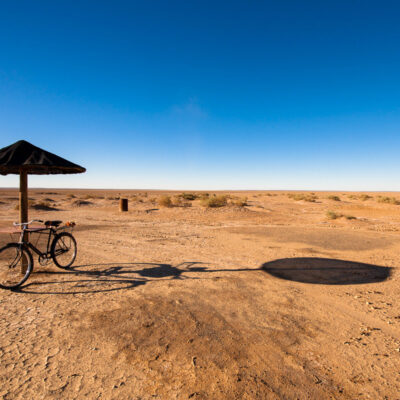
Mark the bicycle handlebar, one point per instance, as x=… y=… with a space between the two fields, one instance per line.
x=27 y=223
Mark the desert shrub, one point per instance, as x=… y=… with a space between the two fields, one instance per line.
x=94 y=196
x=71 y=196
x=332 y=215
x=43 y=205
x=215 y=201
x=334 y=198
x=79 y=203
x=240 y=201
x=203 y=196
x=165 y=201
x=188 y=196
x=352 y=196
x=365 y=197
x=388 y=200
x=177 y=200
x=301 y=196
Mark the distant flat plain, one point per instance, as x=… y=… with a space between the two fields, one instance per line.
x=273 y=295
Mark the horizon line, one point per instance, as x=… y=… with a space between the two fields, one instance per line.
x=204 y=190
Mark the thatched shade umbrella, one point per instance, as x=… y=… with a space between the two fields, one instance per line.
x=24 y=158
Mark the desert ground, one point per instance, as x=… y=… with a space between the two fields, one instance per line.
x=283 y=295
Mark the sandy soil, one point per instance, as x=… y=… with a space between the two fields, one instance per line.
x=272 y=300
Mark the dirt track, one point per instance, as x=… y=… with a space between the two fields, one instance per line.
x=271 y=300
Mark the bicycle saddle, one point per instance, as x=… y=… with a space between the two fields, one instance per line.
x=53 y=223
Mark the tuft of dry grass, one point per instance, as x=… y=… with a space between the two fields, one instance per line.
x=188 y=196
x=332 y=215
x=388 y=200
x=240 y=202
x=310 y=197
x=334 y=198
x=365 y=197
x=165 y=201
x=203 y=196
x=79 y=203
x=215 y=201
x=43 y=205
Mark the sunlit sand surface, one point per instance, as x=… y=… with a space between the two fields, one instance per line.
x=290 y=296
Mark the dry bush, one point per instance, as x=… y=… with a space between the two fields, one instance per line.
x=165 y=201
x=204 y=196
x=388 y=200
x=334 y=198
x=301 y=196
x=240 y=201
x=215 y=201
x=79 y=203
x=94 y=196
x=188 y=196
x=332 y=215
x=365 y=197
x=352 y=196
x=43 y=205
x=71 y=196
x=178 y=201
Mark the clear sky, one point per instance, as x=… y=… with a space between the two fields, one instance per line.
x=206 y=94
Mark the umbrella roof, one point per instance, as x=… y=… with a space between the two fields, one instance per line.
x=24 y=156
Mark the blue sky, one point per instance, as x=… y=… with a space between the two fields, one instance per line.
x=206 y=95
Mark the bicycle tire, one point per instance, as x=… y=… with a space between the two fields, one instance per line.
x=10 y=267
x=62 y=244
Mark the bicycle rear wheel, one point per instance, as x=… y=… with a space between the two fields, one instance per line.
x=63 y=250
x=16 y=265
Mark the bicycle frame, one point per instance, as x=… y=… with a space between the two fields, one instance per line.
x=52 y=233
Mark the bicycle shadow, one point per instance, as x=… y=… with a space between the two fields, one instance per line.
x=111 y=277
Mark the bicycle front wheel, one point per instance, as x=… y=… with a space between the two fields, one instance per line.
x=63 y=250
x=16 y=265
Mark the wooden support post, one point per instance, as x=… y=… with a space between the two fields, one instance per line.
x=23 y=210
x=23 y=197
x=123 y=204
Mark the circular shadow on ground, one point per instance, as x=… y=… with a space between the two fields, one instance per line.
x=326 y=271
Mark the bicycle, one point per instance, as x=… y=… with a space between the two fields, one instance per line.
x=61 y=248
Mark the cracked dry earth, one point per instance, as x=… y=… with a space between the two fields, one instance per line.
x=269 y=301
